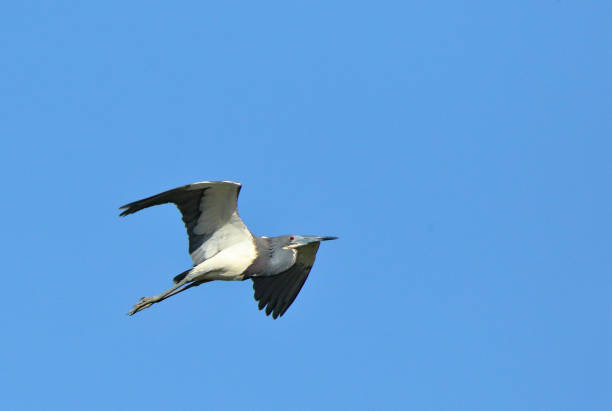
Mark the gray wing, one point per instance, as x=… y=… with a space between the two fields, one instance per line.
x=277 y=292
x=209 y=213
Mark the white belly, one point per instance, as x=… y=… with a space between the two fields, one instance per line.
x=227 y=265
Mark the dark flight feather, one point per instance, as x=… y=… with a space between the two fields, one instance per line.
x=277 y=292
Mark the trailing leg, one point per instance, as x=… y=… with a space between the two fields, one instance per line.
x=146 y=302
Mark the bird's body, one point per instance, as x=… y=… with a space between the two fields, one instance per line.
x=223 y=248
x=228 y=264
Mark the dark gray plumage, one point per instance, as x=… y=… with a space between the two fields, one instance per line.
x=222 y=247
x=277 y=292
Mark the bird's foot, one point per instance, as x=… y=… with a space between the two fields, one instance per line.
x=144 y=302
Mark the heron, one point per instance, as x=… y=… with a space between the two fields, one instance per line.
x=223 y=248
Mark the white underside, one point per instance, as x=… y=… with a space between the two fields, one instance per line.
x=222 y=238
x=227 y=265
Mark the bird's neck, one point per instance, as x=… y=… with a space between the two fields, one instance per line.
x=271 y=258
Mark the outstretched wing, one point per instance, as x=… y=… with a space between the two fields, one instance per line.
x=209 y=213
x=277 y=292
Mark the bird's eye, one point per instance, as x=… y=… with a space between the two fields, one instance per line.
x=291 y=238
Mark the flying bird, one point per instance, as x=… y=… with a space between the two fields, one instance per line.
x=223 y=248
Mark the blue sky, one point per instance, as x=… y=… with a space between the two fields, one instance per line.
x=460 y=150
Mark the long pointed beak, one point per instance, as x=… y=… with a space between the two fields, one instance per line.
x=310 y=239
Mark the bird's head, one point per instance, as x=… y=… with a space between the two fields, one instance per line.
x=294 y=240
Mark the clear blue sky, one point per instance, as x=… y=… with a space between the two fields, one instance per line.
x=460 y=150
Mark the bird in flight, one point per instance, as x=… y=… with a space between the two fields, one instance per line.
x=223 y=248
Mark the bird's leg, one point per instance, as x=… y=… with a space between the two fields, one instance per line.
x=146 y=302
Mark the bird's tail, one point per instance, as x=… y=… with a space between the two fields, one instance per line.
x=180 y=277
